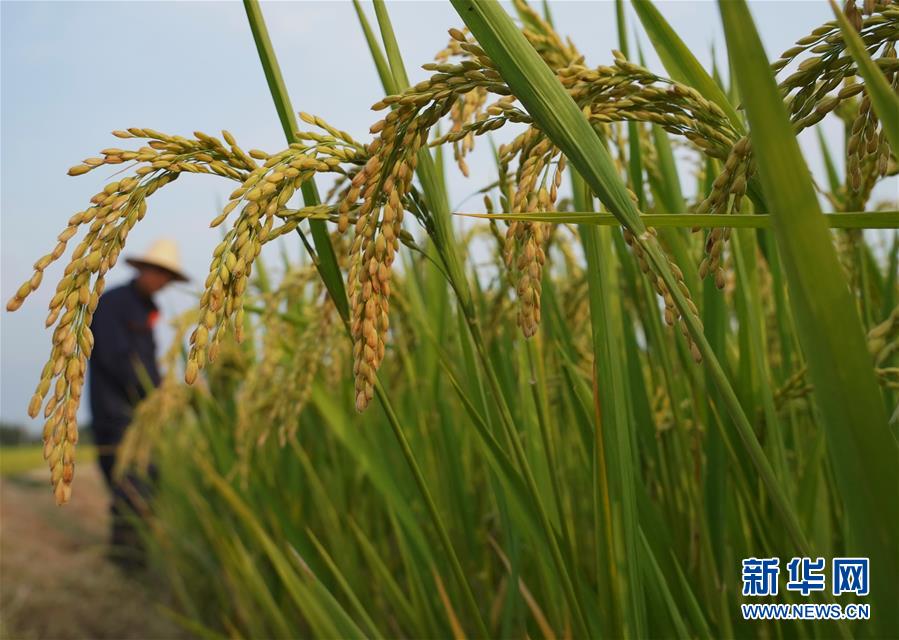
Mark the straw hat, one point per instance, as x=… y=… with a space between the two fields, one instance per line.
x=162 y=254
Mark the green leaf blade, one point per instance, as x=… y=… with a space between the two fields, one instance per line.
x=864 y=453
x=680 y=62
x=883 y=97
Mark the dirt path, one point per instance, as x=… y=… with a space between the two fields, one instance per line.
x=55 y=581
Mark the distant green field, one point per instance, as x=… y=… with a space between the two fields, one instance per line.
x=15 y=460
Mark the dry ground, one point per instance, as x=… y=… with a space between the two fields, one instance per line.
x=55 y=580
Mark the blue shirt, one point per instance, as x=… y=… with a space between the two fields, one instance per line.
x=122 y=365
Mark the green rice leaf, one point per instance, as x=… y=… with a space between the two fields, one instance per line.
x=559 y=117
x=545 y=99
x=883 y=96
x=374 y=49
x=615 y=458
x=863 y=452
x=680 y=62
x=846 y=220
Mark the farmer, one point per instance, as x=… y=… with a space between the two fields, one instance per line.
x=122 y=371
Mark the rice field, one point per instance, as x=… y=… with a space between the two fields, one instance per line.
x=19 y=459
x=572 y=411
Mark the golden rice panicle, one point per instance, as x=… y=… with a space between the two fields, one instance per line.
x=530 y=237
x=627 y=91
x=850 y=9
x=164 y=406
x=726 y=197
x=221 y=304
x=262 y=196
x=864 y=141
x=306 y=357
x=868 y=149
x=555 y=51
x=883 y=339
x=453 y=48
x=825 y=80
x=71 y=310
x=671 y=312
x=108 y=220
x=374 y=246
x=525 y=244
x=468 y=109
x=382 y=186
x=337 y=146
x=263 y=407
x=113 y=213
x=291 y=350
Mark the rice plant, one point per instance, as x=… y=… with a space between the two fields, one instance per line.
x=586 y=437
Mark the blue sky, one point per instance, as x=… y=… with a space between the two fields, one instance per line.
x=74 y=71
